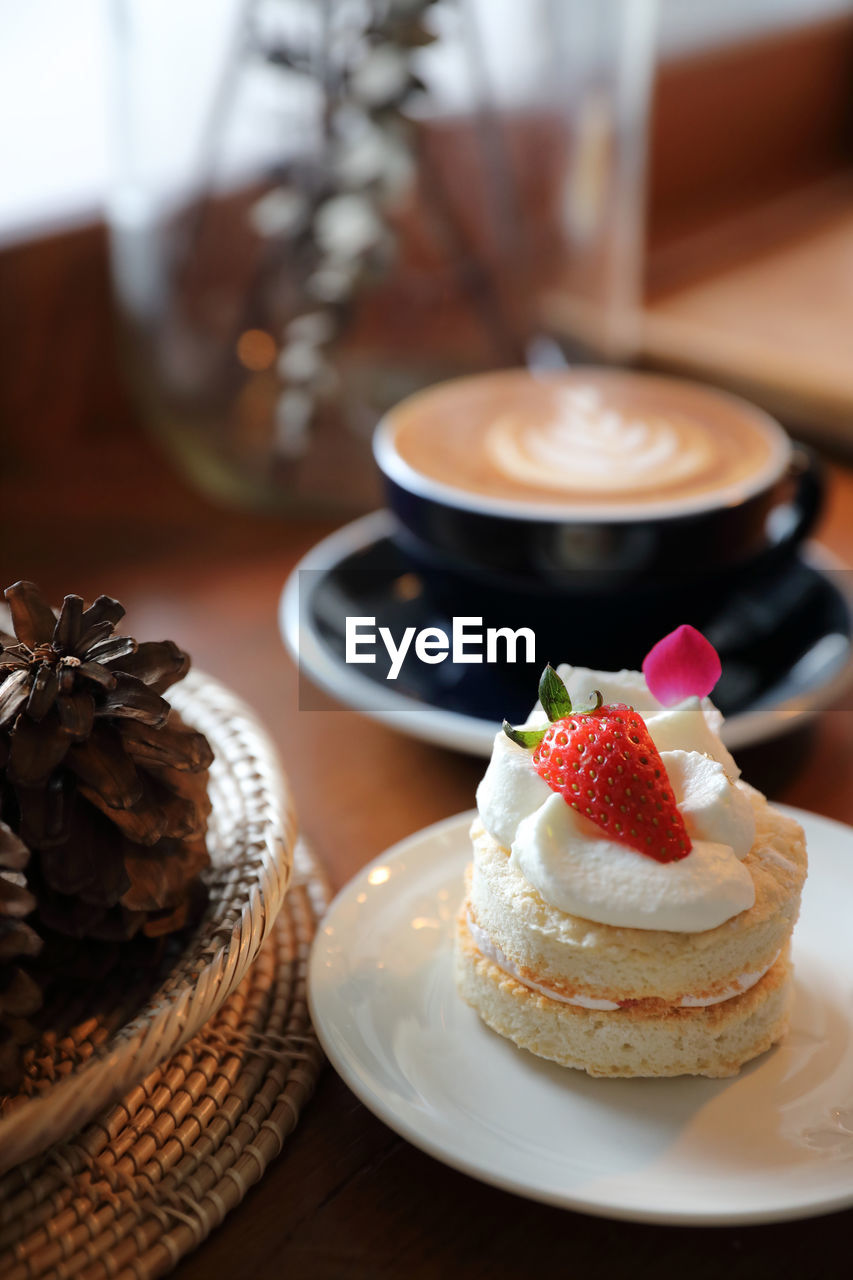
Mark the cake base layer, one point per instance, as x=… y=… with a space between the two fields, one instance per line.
x=714 y=1041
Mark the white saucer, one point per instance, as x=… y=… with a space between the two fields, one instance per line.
x=314 y=601
x=773 y=1143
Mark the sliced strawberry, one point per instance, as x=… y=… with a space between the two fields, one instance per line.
x=604 y=764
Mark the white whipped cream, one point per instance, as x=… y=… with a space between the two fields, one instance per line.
x=711 y=807
x=686 y=727
x=576 y=868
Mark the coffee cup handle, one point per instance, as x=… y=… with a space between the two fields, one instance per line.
x=806 y=470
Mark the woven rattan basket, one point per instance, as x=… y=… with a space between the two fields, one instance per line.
x=149 y=1178
x=112 y=1046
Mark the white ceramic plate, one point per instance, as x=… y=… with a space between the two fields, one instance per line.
x=310 y=601
x=775 y=1142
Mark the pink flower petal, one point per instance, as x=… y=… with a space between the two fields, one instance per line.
x=682 y=665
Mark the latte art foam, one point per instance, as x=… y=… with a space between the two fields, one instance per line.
x=600 y=449
x=591 y=441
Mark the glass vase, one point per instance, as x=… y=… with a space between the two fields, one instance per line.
x=322 y=205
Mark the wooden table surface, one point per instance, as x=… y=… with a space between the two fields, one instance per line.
x=88 y=505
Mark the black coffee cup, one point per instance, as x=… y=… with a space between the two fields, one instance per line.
x=616 y=574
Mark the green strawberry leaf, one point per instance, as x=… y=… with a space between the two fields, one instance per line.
x=526 y=738
x=554 y=695
x=597 y=701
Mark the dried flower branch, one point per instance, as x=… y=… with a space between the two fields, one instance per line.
x=333 y=208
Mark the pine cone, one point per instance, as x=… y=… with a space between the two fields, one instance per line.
x=110 y=785
x=19 y=995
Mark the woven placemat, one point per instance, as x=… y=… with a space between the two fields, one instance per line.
x=151 y=1177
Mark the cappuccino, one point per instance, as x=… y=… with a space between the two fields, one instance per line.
x=590 y=442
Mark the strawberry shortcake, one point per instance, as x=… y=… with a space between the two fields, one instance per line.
x=630 y=902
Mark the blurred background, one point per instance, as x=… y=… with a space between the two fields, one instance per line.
x=232 y=233
x=302 y=211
